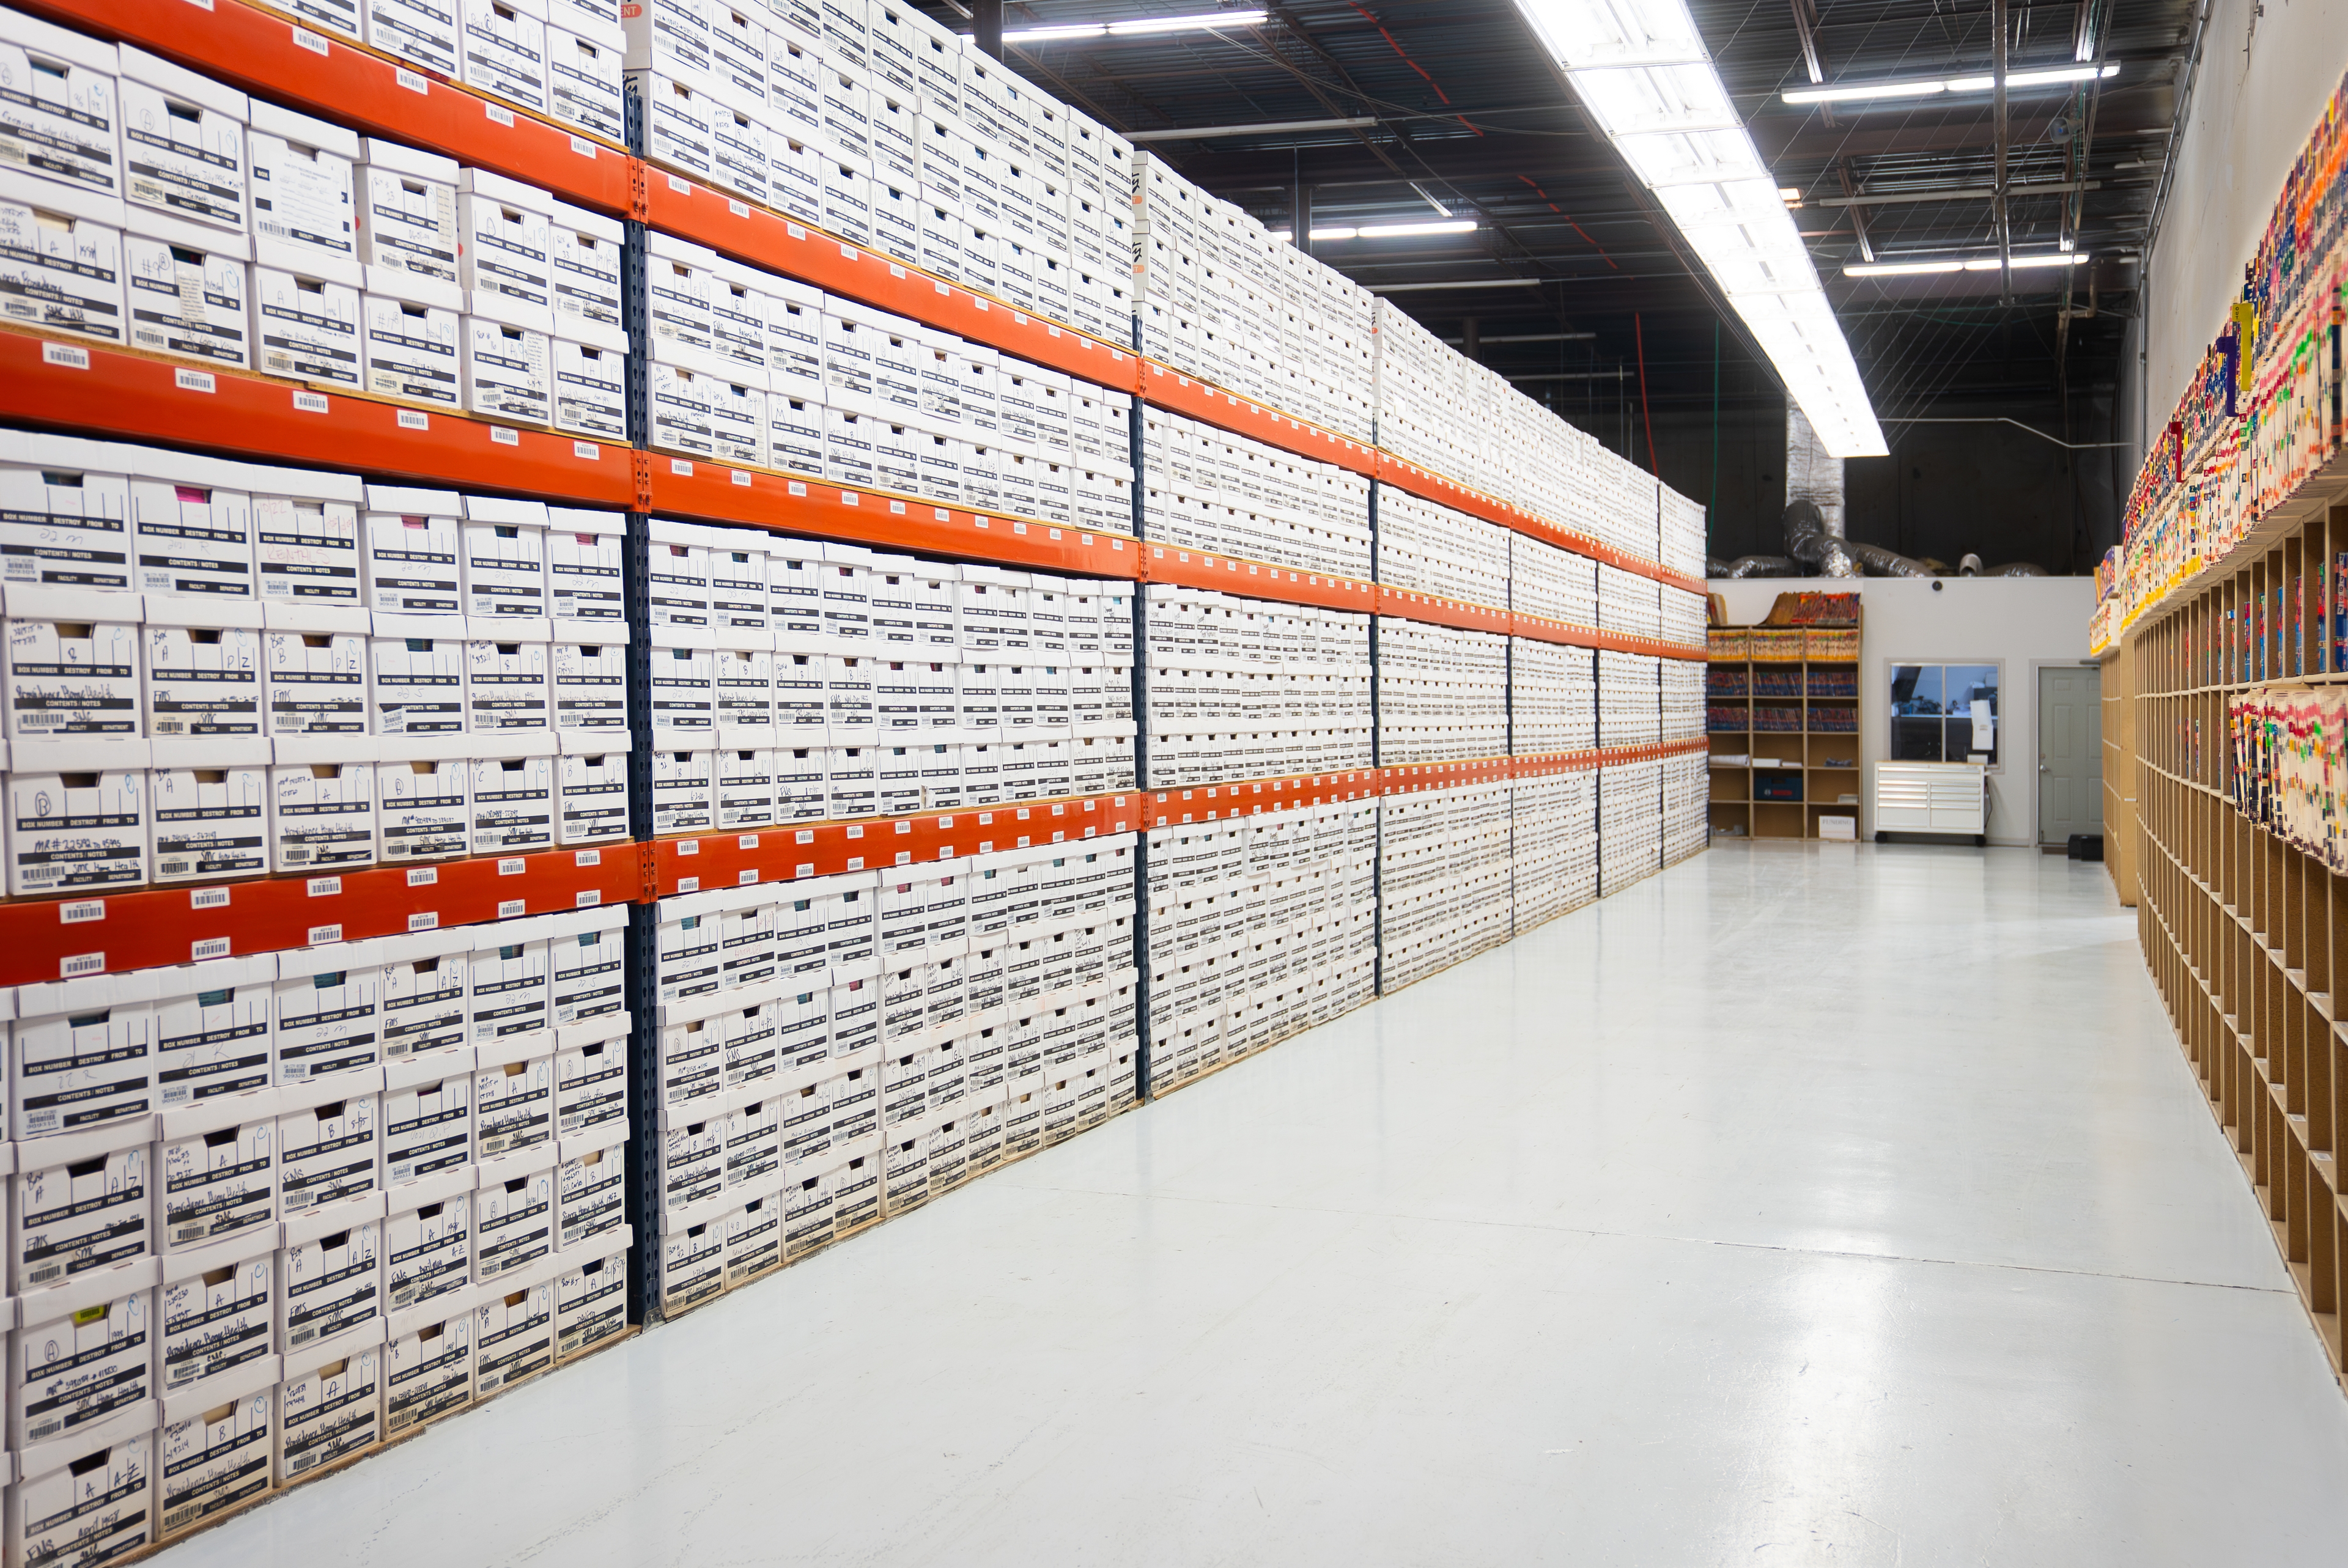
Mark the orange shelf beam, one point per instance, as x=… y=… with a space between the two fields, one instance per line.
x=681 y=487
x=1167 y=389
x=1254 y=797
x=705 y=861
x=94 y=391
x=57 y=938
x=767 y=239
x=1257 y=580
x=272 y=54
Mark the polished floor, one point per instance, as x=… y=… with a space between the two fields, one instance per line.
x=1803 y=1204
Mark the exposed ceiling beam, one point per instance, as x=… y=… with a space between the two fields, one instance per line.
x=1958 y=193
x=1271 y=127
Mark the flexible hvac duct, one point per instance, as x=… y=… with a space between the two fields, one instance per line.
x=1747 y=565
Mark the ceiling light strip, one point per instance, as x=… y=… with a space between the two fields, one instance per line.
x=1642 y=70
x=1927 y=87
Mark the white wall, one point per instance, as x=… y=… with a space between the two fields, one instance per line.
x=1976 y=619
x=2251 y=115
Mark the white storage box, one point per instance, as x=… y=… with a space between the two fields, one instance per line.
x=424 y=810
x=219 y=1313
x=330 y=1018
x=304 y=183
x=323 y=814
x=411 y=349
x=513 y=1336
x=328 y=1413
x=408 y=237
x=429 y=1245
x=331 y=1287
x=410 y=543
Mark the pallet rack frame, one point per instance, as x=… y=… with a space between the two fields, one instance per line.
x=124 y=394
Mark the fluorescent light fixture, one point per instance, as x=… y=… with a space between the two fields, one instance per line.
x=1926 y=87
x=1425 y=196
x=1641 y=68
x=1382 y=230
x=1791 y=195
x=1966 y=264
x=1137 y=27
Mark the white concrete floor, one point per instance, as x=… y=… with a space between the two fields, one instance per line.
x=1805 y=1204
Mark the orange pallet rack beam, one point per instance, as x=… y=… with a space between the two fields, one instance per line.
x=59 y=938
x=704 y=861
x=91 y=390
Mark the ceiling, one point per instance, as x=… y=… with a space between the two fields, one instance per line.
x=1470 y=114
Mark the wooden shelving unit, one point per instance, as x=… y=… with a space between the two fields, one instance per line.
x=1769 y=675
x=2246 y=933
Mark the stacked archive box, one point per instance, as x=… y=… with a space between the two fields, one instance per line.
x=1260 y=927
x=1444 y=876
x=798 y=681
x=1208 y=489
x=1216 y=295
x=218 y=669
x=444 y=673
x=193 y=221
x=837 y=1050
x=1554 y=851
x=269 y=1212
x=1245 y=688
x=754 y=369
x=1441 y=693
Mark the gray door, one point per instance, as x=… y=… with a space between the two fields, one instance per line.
x=2070 y=751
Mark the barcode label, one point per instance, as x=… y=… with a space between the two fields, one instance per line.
x=194 y=379
x=80 y=910
x=305 y=39
x=502 y=437
x=311 y=403
x=587 y=449
x=411 y=81
x=414 y=419
x=511 y=908
x=498 y=113
x=65 y=355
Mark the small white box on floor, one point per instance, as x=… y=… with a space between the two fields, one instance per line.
x=591 y=1307
x=428 y=1367
x=513 y=1335
x=692 y=1265
x=215 y=1460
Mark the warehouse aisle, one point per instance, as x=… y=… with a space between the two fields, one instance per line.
x=1805 y=1203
